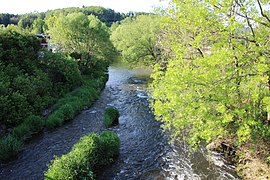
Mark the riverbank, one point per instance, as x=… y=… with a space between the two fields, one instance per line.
x=65 y=109
x=250 y=159
x=144 y=152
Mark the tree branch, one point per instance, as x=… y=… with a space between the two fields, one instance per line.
x=261 y=10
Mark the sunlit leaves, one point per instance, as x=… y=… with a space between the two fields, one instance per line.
x=136 y=39
x=217 y=73
x=81 y=34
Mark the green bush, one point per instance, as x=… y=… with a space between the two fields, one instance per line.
x=9 y=146
x=90 y=153
x=111 y=116
x=109 y=147
x=28 y=83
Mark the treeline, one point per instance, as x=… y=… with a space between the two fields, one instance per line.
x=30 y=21
x=211 y=74
x=6 y=19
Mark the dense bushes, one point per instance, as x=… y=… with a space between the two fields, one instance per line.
x=90 y=153
x=29 y=84
x=111 y=116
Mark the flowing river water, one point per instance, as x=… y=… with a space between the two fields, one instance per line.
x=145 y=152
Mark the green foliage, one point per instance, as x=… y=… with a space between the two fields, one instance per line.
x=85 y=38
x=12 y=143
x=107 y=16
x=111 y=116
x=9 y=146
x=38 y=26
x=7 y=19
x=109 y=147
x=136 y=39
x=214 y=81
x=67 y=107
x=28 y=83
x=63 y=72
x=21 y=132
x=91 y=152
x=35 y=123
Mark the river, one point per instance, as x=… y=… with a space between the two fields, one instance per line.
x=145 y=152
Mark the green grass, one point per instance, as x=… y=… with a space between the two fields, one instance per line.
x=9 y=146
x=92 y=152
x=72 y=103
x=111 y=116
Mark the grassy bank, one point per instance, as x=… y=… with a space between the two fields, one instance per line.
x=72 y=103
x=66 y=108
x=91 y=153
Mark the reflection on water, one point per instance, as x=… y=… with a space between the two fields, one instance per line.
x=145 y=152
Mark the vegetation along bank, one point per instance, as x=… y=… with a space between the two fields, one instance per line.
x=211 y=75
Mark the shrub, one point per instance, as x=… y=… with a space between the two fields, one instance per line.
x=111 y=117
x=9 y=146
x=91 y=152
x=109 y=147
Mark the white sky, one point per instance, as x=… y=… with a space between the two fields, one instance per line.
x=27 y=6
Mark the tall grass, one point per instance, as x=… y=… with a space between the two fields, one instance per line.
x=72 y=103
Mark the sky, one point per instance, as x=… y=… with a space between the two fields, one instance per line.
x=27 y=6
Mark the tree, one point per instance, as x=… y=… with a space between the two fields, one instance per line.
x=136 y=39
x=38 y=26
x=84 y=37
x=216 y=80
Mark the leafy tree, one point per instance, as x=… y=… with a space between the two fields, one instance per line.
x=38 y=26
x=136 y=39
x=216 y=79
x=26 y=21
x=85 y=37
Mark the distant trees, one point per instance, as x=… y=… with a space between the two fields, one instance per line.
x=27 y=20
x=107 y=16
x=39 y=26
x=7 y=19
x=136 y=39
x=33 y=21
